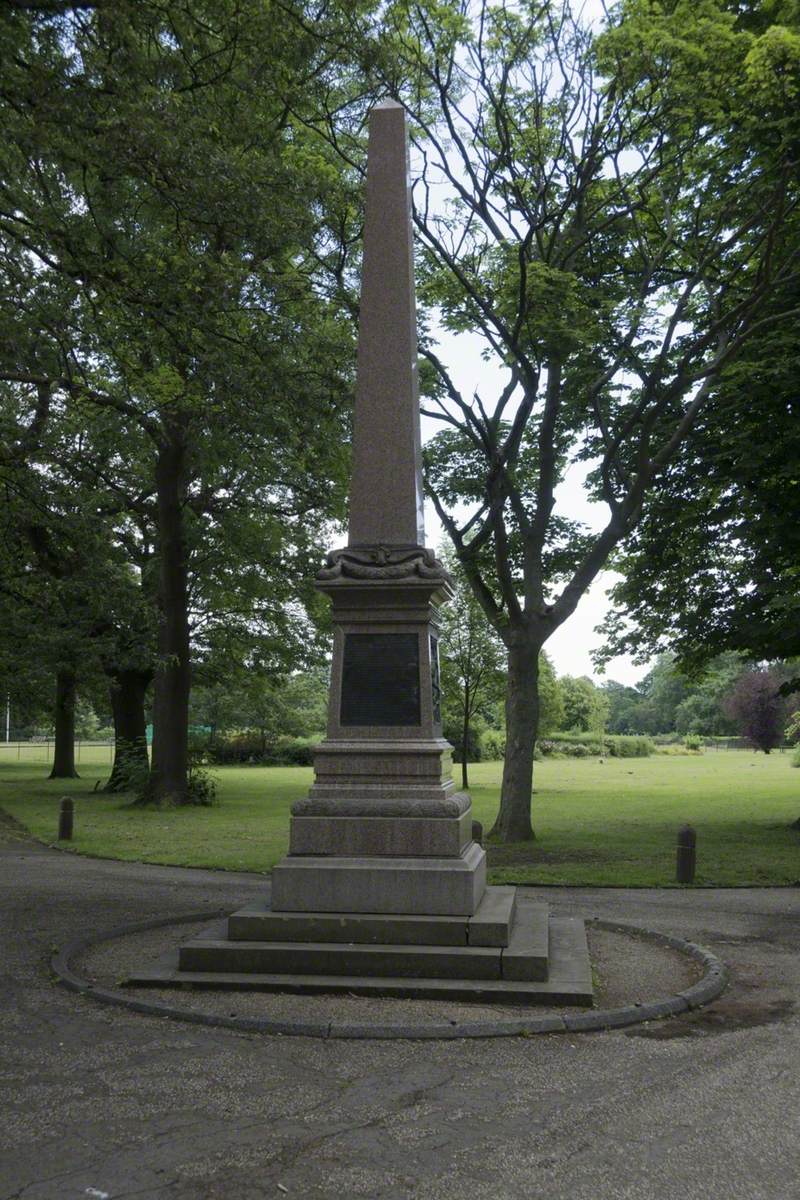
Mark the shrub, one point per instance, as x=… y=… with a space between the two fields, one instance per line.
x=796 y=757
x=581 y=746
x=294 y=752
x=232 y=748
x=577 y=737
x=202 y=788
x=629 y=746
x=249 y=747
x=693 y=741
x=493 y=744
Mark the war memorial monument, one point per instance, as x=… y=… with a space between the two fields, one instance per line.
x=384 y=889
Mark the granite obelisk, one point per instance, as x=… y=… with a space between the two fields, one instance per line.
x=383 y=891
x=386 y=486
x=383 y=796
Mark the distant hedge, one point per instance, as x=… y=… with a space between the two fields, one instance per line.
x=248 y=748
x=574 y=745
x=592 y=745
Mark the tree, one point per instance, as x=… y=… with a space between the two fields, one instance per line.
x=758 y=708
x=551 y=697
x=669 y=701
x=610 y=214
x=161 y=227
x=585 y=706
x=471 y=659
x=65 y=589
x=715 y=563
x=703 y=710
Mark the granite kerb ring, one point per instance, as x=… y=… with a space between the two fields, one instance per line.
x=708 y=988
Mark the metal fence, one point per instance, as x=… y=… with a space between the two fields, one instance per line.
x=41 y=750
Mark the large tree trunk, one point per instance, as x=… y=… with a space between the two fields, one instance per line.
x=128 y=689
x=169 y=768
x=64 y=751
x=513 y=822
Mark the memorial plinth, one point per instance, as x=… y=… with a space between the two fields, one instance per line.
x=384 y=889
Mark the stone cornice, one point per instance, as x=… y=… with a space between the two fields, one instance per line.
x=384 y=563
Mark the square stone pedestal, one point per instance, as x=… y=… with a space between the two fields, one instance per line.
x=421 y=886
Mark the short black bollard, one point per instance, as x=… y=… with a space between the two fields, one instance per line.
x=65 y=819
x=687 y=853
x=477 y=832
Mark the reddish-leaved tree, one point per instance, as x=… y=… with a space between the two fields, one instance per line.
x=758 y=708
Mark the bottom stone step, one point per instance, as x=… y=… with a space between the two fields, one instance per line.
x=342 y=958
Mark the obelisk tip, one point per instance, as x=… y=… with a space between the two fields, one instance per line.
x=386 y=104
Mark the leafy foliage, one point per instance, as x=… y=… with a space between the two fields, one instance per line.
x=758 y=708
x=167 y=340
x=585 y=706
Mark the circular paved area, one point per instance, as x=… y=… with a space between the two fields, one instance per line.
x=99 y=1102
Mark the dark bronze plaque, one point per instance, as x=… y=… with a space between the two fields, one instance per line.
x=436 y=686
x=380 y=679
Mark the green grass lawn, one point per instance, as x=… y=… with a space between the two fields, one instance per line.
x=610 y=823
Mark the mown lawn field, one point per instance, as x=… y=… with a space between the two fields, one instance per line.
x=609 y=823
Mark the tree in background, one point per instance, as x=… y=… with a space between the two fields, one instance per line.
x=625 y=705
x=586 y=707
x=758 y=708
x=551 y=697
x=268 y=705
x=668 y=701
x=703 y=709
x=472 y=662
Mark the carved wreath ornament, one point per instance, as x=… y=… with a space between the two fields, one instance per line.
x=382 y=562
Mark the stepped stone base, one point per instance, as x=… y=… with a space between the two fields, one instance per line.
x=530 y=957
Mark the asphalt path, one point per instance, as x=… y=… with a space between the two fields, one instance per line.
x=103 y=1102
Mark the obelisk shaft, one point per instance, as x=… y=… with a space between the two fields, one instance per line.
x=386 y=490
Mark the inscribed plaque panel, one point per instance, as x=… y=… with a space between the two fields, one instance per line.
x=380 y=679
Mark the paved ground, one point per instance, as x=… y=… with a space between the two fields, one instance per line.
x=102 y=1102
